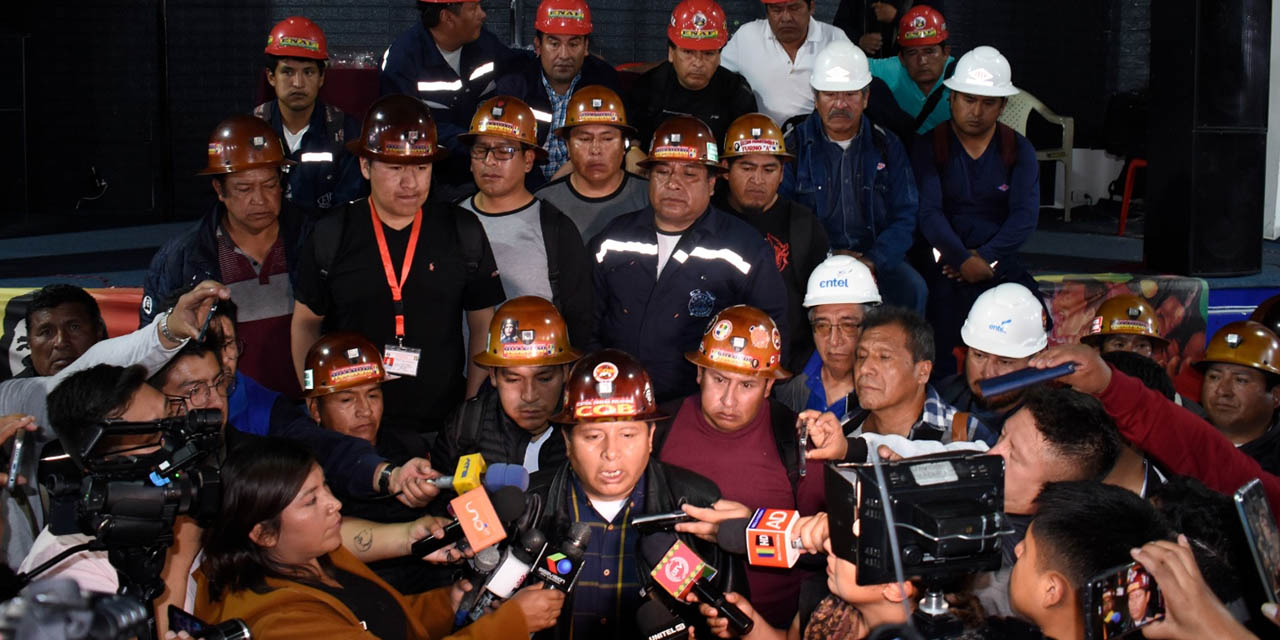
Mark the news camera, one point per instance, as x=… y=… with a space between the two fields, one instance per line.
x=57 y=609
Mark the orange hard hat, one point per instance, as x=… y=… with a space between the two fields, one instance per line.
x=1125 y=315
x=297 y=37
x=698 y=25
x=563 y=18
x=505 y=117
x=755 y=133
x=527 y=332
x=398 y=129
x=595 y=104
x=241 y=143
x=339 y=361
x=1246 y=343
x=683 y=139
x=608 y=386
x=921 y=26
x=741 y=339
x=1268 y=313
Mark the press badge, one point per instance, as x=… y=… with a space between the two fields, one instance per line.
x=401 y=361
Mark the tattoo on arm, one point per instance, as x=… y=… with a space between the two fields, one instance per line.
x=364 y=539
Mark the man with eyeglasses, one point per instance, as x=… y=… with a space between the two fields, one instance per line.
x=776 y=53
x=537 y=248
x=912 y=99
x=663 y=271
x=840 y=291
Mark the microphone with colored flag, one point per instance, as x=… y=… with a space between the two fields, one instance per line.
x=768 y=538
x=558 y=567
x=679 y=571
x=481 y=520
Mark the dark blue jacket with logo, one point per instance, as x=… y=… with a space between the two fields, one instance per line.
x=888 y=201
x=326 y=173
x=719 y=261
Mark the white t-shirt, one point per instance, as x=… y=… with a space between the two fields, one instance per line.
x=780 y=84
x=666 y=244
x=608 y=508
x=844 y=144
x=293 y=140
x=453 y=58
x=534 y=448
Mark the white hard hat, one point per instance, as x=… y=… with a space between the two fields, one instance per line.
x=841 y=280
x=1007 y=321
x=841 y=66
x=982 y=72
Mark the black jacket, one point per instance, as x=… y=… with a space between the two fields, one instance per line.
x=666 y=489
x=658 y=95
x=481 y=426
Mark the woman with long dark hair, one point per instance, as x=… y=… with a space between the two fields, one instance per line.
x=275 y=559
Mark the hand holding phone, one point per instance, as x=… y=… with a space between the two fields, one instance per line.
x=1119 y=601
x=1263 y=535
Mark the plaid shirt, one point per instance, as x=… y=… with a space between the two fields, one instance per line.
x=934 y=422
x=557 y=152
x=608 y=592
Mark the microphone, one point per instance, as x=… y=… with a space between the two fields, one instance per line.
x=1022 y=378
x=558 y=568
x=492 y=478
x=657 y=622
x=768 y=538
x=478 y=518
x=482 y=567
x=679 y=570
x=510 y=574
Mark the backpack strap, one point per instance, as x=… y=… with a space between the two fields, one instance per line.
x=801 y=236
x=471 y=240
x=960 y=426
x=326 y=235
x=1008 y=141
x=931 y=102
x=550 y=218
x=941 y=146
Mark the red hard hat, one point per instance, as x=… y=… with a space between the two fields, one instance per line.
x=921 y=26
x=563 y=18
x=699 y=25
x=297 y=37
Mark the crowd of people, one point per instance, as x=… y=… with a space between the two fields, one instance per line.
x=690 y=291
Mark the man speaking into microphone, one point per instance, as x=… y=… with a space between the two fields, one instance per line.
x=609 y=480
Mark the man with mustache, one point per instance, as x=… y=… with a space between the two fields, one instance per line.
x=313 y=132
x=979 y=188
x=561 y=65
x=754 y=154
x=1241 y=389
x=776 y=53
x=510 y=419
x=856 y=176
x=691 y=81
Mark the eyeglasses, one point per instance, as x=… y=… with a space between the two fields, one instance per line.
x=847 y=328
x=506 y=152
x=199 y=394
x=237 y=344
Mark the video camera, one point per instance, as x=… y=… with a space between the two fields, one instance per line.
x=56 y=609
x=947 y=513
x=132 y=500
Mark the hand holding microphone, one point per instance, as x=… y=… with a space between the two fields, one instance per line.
x=710 y=519
x=680 y=572
x=480 y=519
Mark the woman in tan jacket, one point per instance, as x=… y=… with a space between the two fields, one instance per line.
x=275 y=559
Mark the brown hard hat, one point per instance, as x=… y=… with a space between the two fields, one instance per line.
x=1268 y=313
x=339 y=361
x=755 y=133
x=741 y=339
x=527 y=332
x=241 y=143
x=398 y=129
x=683 y=139
x=1246 y=343
x=595 y=104
x=608 y=386
x=1125 y=315
x=505 y=117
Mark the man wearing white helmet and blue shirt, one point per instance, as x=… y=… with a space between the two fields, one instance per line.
x=979 y=186
x=856 y=176
x=840 y=290
x=1005 y=328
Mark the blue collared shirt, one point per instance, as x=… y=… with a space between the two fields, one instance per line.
x=557 y=152
x=818 y=392
x=608 y=592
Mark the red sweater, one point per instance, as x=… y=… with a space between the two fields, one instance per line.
x=1180 y=440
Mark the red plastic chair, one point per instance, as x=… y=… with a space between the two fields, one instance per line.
x=1134 y=165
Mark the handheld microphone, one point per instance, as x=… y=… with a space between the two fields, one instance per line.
x=479 y=519
x=657 y=622
x=768 y=538
x=558 y=567
x=679 y=570
x=1022 y=378
x=482 y=567
x=510 y=573
x=492 y=478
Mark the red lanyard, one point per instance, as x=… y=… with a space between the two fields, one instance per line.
x=396 y=286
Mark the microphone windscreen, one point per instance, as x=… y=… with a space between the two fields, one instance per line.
x=732 y=536
x=504 y=474
x=508 y=503
x=654 y=546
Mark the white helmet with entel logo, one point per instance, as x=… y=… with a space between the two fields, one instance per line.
x=841 y=66
x=841 y=280
x=982 y=72
x=1007 y=321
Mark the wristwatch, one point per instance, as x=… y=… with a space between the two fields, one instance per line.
x=164 y=327
x=384 y=479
